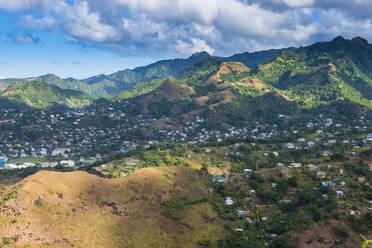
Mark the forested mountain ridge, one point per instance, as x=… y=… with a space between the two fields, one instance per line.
x=322 y=74
x=112 y=84
x=305 y=78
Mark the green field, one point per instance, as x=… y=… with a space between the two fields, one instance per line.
x=27 y=160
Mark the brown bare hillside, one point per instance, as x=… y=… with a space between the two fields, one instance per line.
x=225 y=68
x=77 y=209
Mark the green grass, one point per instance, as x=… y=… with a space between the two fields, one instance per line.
x=27 y=160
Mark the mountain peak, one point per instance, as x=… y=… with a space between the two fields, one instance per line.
x=50 y=75
x=359 y=40
x=338 y=39
x=200 y=54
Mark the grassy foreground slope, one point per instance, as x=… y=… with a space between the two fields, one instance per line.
x=154 y=207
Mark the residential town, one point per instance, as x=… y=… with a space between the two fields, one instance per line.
x=81 y=137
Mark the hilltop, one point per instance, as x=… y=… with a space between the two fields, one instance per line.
x=297 y=81
x=84 y=210
x=38 y=94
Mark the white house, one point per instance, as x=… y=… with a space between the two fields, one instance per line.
x=68 y=163
x=229 y=201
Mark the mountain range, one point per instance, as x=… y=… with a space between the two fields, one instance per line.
x=112 y=84
x=333 y=74
x=288 y=80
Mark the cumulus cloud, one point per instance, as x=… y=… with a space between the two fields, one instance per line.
x=138 y=27
x=30 y=21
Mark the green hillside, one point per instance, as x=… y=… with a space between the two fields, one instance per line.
x=297 y=81
x=323 y=73
x=37 y=94
x=140 y=88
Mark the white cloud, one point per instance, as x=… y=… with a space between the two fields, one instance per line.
x=80 y=22
x=299 y=3
x=16 y=4
x=36 y=5
x=30 y=21
x=185 y=26
x=338 y=24
x=192 y=46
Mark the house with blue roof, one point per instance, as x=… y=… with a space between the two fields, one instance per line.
x=219 y=180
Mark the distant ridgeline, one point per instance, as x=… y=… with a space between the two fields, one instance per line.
x=111 y=85
x=326 y=76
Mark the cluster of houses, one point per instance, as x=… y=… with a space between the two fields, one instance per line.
x=94 y=133
x=6 y=164
x=328 y=179
x=351 y=139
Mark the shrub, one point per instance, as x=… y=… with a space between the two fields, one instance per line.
x=340 y=231
x=6 y=241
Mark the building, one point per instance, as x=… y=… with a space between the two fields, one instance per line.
x=219 y=180
x=321 y=174
x=340 y=193
x=327 y=184
x=289 y=146
x=67 y=163
x=296 y=165
x=59 y=151
x=312 y=167
x=2 y=162
x=229 y=201
x=242 y=213
x=361 y=179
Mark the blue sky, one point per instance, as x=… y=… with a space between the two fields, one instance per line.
x=81 y=38
x=53 y=54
